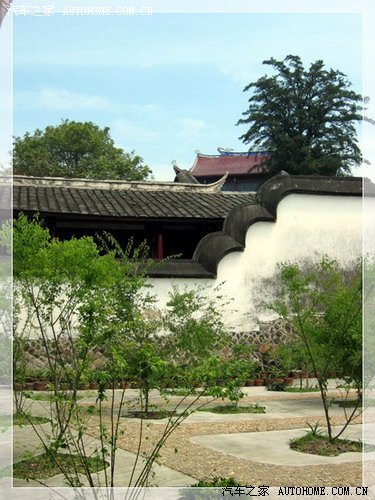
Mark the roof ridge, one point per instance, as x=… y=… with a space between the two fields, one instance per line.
x=22 y=180
x=234 y=153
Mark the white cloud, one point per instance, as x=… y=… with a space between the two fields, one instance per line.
x=141 y=56
x=162 y=171
x=190 y=127
x=124 y=131
x=59 y=99
x=143 y=109
x=62 y=100
x=6 y=99
x=241 y=75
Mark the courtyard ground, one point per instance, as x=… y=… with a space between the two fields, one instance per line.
x=252 y=448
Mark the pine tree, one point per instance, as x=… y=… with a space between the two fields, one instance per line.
x=304 y=118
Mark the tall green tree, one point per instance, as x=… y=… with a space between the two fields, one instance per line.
x=305 y=118
x=323 y=304
x=75 y=149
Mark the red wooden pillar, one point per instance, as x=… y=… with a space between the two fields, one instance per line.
x=160 y=247
x=52 y=227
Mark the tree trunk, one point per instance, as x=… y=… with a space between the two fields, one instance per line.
x=146 y=391
x=326 y=411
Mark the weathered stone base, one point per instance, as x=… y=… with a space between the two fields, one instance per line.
x=35 y=354
x=269 y=335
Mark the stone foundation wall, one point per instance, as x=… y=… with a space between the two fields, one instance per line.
x=269 y=335
x=271 y=332
x=35 y=355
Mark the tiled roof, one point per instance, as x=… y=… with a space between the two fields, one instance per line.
x=55 y=197
x=4 y=7
x=184 y=176
x=5 y=197
x=233 y=163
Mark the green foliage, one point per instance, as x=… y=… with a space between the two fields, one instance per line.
x=200 y=348
x=324 y=306
x=70 y=289
x=29 y=241
x=188 y=354
x=228 y=409
x=301 y=389
x=51 y=396
x=38 y=258
x=195 y=324
x=86 y=299
x=304 y=118
x=317 y=444
x=75 y=149
x=369 y=323
x=314 y=430
x=22 y=419
x=47 y=465
x=276 y=386
x=96 y=298
x=291 y=355
x=323 y=303
x=217 y=482
x=179 y=391
x=348 y=403
x=194 y=336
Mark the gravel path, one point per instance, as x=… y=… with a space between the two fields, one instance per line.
x=181 y=454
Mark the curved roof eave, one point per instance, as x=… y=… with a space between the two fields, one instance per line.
x=214 y=246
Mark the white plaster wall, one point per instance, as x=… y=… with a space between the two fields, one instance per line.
x=307 y=227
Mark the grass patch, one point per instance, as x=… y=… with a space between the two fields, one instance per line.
x=319 y=445
x=301 y=389
x=235 y=409
x=20 y=419
x=43 y=466
x=348 y=403
x=51 y=396
x=178 y=391
x=26 y=419
x=216 y=482
x=151 y=414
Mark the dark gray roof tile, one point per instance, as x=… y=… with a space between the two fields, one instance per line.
x=131 y=203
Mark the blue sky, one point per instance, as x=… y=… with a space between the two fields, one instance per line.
x=165 y=84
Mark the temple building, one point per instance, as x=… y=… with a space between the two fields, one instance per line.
x=244 y=171
x=171 y=217
x=199 y=225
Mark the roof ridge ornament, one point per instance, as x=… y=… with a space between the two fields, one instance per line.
x=216 y=186
x=63 y=182
x=222 y=150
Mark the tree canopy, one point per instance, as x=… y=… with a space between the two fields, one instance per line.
x=75 y=149
x=304 y=118
x=323 y=304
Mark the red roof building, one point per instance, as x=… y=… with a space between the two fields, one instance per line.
x=231 y=163
x=245 y=171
